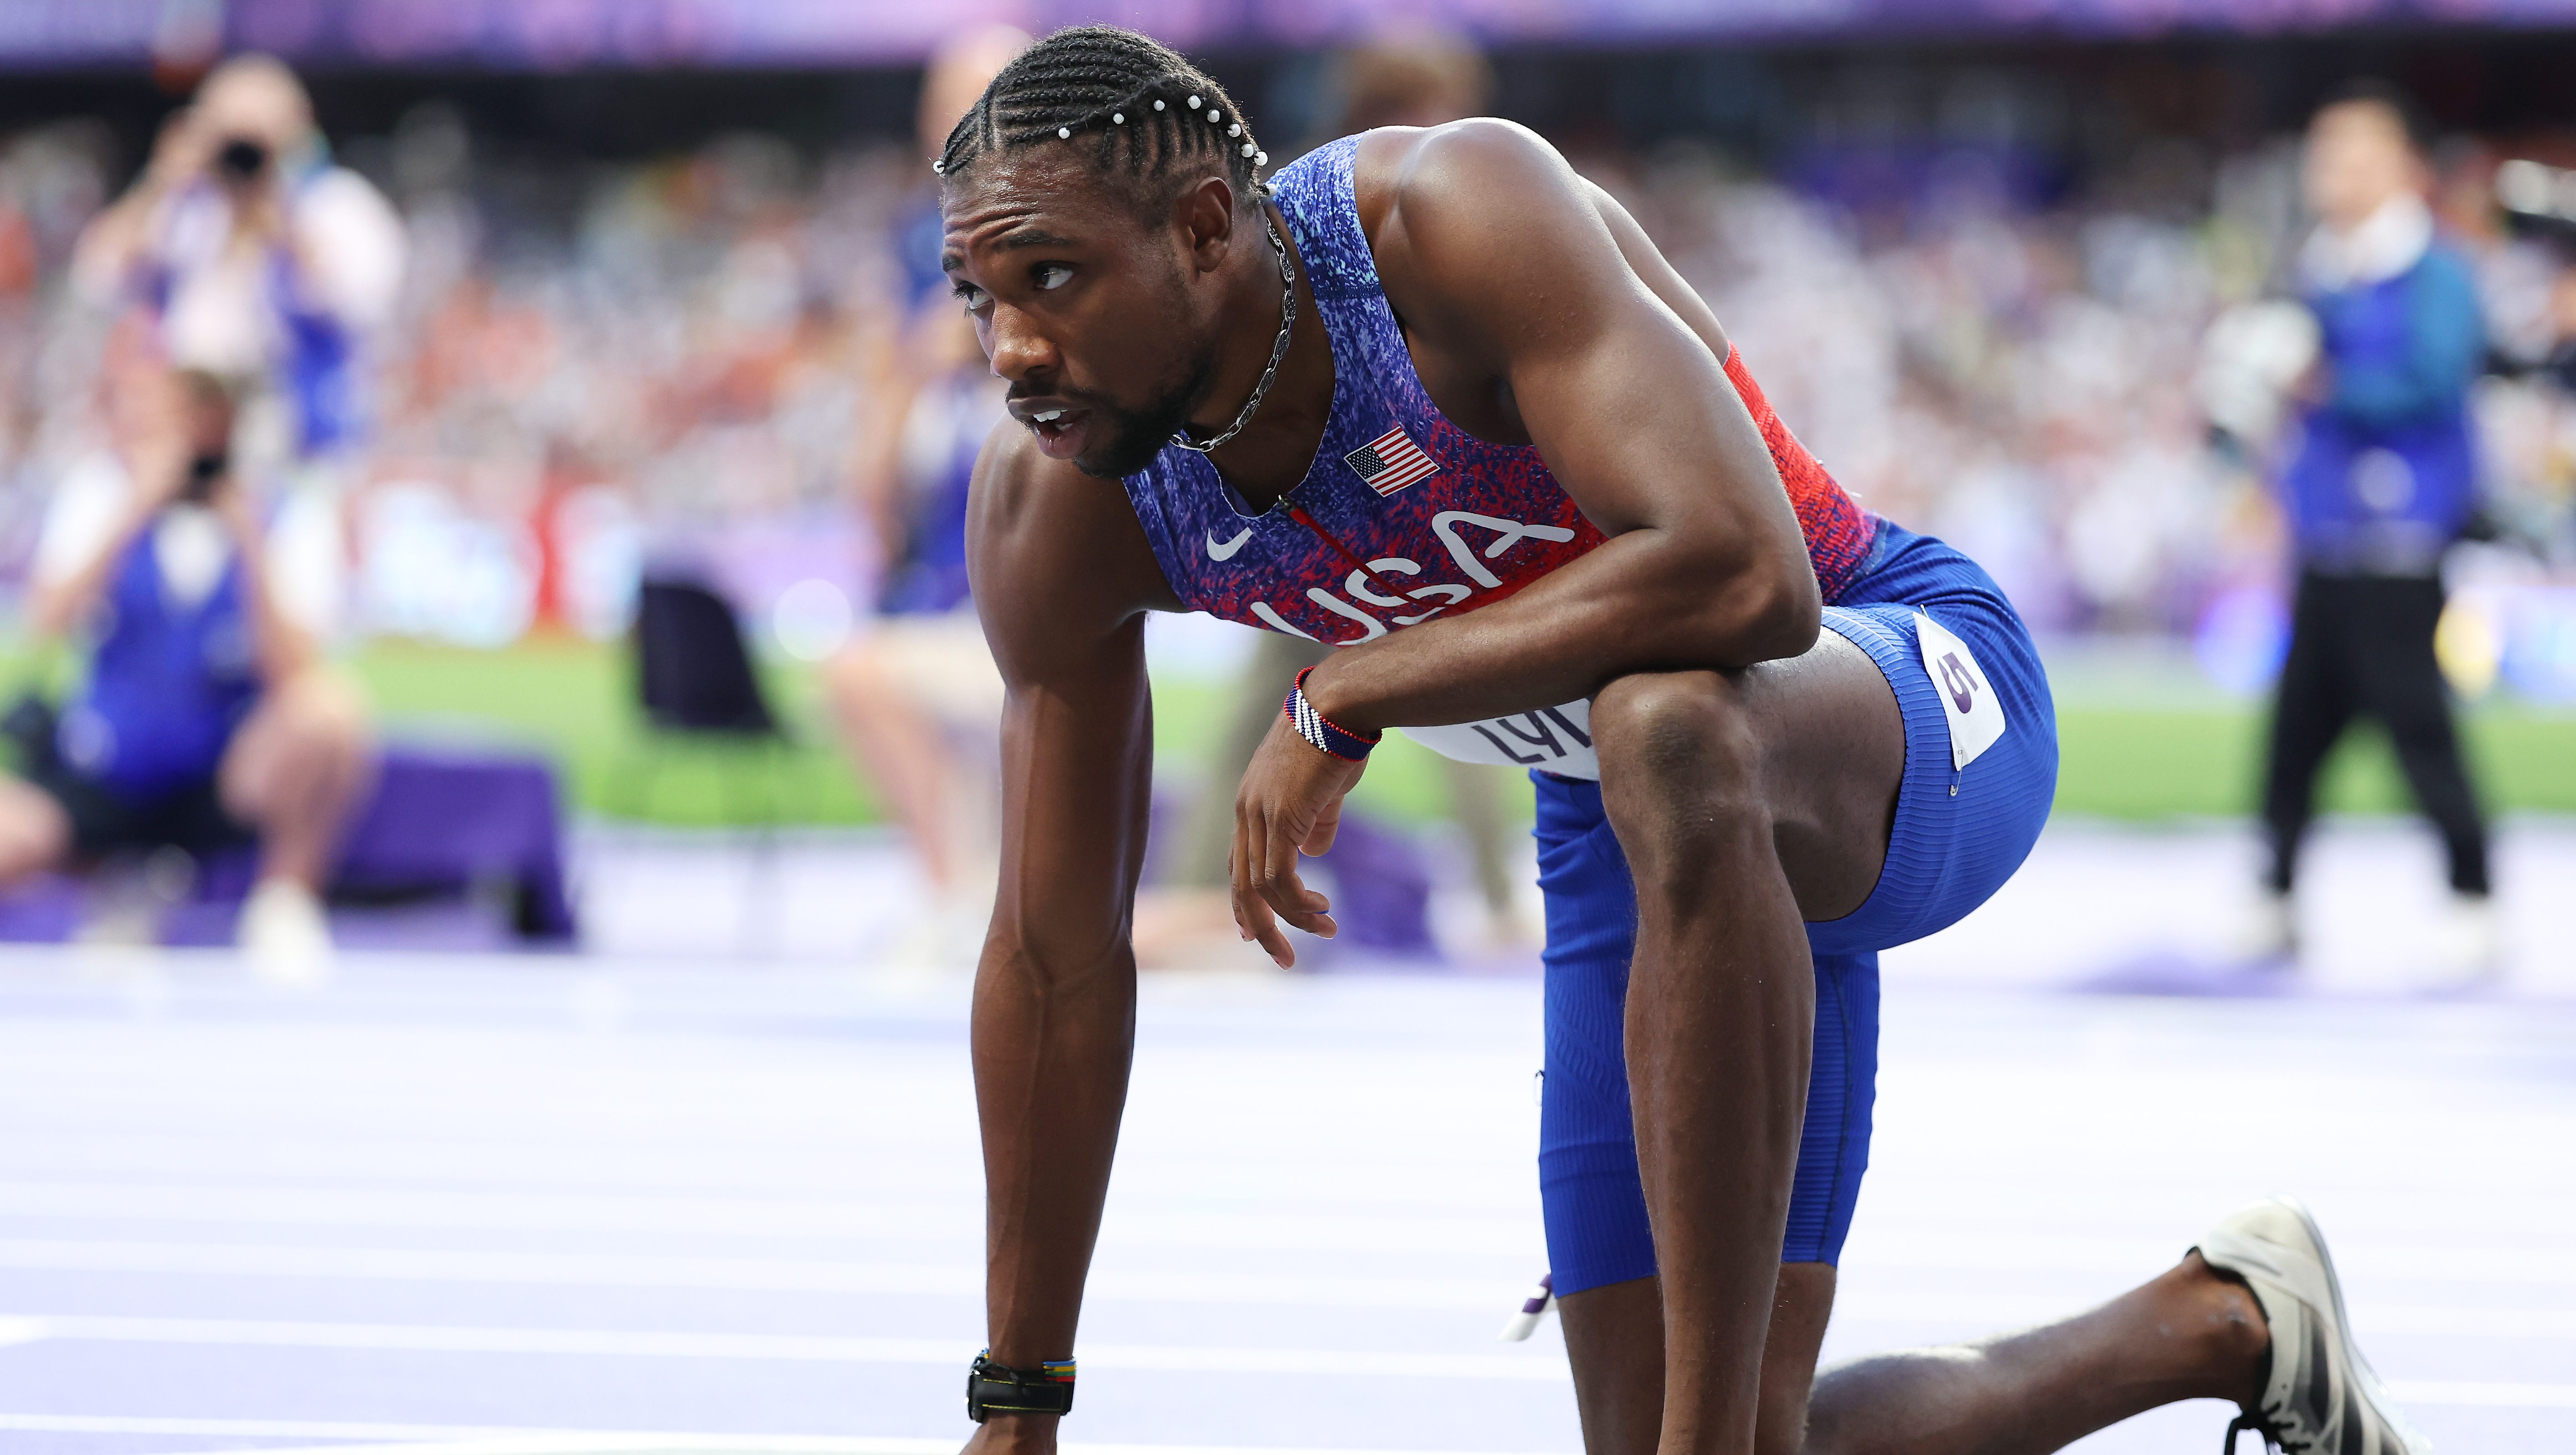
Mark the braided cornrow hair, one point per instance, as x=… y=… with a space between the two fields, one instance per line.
x=1132 y=100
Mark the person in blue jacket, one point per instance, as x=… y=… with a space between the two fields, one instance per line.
x=207 y=718
x=2380 y=478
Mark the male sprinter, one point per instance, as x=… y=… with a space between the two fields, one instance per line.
x=1437 y=401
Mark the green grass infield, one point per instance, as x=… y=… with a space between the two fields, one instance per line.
x=2121 y=759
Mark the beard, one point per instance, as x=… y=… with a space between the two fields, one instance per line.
x=1137 y=435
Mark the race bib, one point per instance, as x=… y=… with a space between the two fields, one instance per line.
x=1967 y=698
x=1558 y=739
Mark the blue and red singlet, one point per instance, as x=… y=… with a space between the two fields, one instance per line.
x=1405 y=517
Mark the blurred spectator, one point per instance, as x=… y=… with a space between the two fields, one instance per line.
x=1415 y=76
x=259 y=259
x=918 y=698
x=205 y=719
x=2381 y=480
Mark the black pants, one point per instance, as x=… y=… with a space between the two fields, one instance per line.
x=2365 y=644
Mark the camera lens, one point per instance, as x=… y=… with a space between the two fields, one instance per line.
x=203 y=471
x=242 y=158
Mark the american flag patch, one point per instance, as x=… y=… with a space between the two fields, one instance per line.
x=1391 y=461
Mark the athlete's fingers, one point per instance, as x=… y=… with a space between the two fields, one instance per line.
x=1285 y=892
x=1251 y=913
x=1328 y=824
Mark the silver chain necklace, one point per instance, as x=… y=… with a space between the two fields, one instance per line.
x=1278 y=347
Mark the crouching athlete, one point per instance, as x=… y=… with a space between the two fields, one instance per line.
x=1429 y=396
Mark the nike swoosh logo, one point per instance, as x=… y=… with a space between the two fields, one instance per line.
x=1226 y=552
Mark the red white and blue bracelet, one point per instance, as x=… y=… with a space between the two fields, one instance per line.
x=1322 y=732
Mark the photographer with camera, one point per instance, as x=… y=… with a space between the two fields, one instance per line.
x=205 y=720
x=258 y=259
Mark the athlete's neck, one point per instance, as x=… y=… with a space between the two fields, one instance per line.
x=1278 y=445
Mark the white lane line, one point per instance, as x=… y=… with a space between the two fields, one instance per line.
x=860 y=1217
x=1267 y=1235
x=830 y=1276
x=731 y=1274
x=506 y=1440
x=1533 y=1365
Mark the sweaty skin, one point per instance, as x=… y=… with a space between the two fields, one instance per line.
x=1749 y=763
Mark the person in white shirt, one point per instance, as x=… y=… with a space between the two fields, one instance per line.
x=205 y=720
x=258 y=259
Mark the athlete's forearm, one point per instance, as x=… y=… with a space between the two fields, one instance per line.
x=1055 y=994
x=1052 y=1045
x=1643 y=601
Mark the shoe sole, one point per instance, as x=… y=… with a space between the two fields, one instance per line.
x=2373 y=1393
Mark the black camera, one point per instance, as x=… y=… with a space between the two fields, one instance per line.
x=242 y=159
x=208 y=467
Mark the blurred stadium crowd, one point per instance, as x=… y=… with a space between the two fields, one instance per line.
x=592 y=362
x=519 y=382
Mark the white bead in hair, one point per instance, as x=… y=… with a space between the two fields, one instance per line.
x=1194 y=103
x=1235 y=130
x=938 y=167
x=1158 y=106
x=1261 y=159
x=1118 y=118
x=1064 y=133
x=1247 y=149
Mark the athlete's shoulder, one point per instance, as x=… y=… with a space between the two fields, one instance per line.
x=1477 y=168
x=1462 y=215
x=1052 y=551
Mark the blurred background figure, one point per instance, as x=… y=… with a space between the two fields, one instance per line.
x=205 y=720
x=258 y=259
x=2381 y=480
x=917 y=697
x=1415 y=76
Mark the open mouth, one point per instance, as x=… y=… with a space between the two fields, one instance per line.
x=1059 y=431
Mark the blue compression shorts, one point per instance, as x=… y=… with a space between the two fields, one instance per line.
x=1958 y=835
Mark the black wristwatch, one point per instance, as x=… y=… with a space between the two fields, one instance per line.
x=999 y=1389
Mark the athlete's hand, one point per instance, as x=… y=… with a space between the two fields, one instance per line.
x=1290 y=802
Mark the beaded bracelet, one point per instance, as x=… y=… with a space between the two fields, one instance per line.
x=1322 y=732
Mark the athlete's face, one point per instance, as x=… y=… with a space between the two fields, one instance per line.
x=1103 y=322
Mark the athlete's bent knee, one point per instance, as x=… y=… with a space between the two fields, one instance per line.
x=1681 y=762
x=1675 y=727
